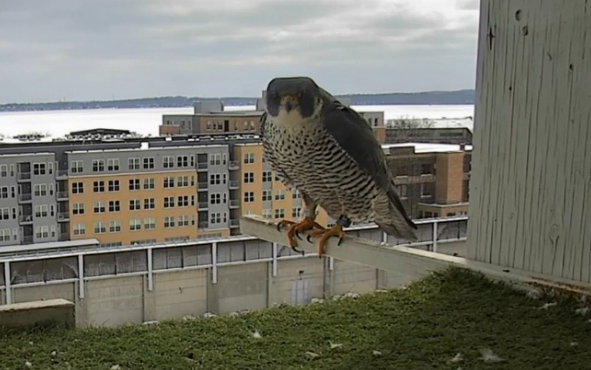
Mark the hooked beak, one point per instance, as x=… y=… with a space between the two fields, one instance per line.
x=288 y=102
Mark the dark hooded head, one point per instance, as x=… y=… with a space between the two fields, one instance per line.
x=299 y=94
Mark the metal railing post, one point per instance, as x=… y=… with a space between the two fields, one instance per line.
x=274 y=260
x=150 y=270
x=7 y=286
x=214 y=263
x=435 y=236
x=81 y=276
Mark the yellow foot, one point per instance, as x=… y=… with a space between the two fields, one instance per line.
x=297 y=227
x=336 y=230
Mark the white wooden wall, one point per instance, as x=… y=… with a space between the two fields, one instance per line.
x=530 y=191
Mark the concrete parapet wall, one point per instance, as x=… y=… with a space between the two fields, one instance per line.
x=57 y=311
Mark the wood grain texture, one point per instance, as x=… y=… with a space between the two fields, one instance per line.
x=530 y=205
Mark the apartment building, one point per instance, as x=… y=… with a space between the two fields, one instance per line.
x=209 y=118
x=432 y=179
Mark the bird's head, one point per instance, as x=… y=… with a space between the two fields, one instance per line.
x=293 y=95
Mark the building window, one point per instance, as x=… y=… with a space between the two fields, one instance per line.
x=169 y=182
x=426 y=190
x=149 y=183
x=98 y=186
x=77 y=166
x=183 y=201
x=249 y=158
x=149 y=223
x=40 y=190
x=267 y=212
x=248 y=177
x=215 y=218
x=215 y=159
x=114 y=226
x=78 y=208
x=295 y=194
x=4 y=213
x=215 y=179
x=133 y=163
x=4 y=192
x=41 y=210
x=182 y=161
x=280 y=195
x=248 y=196
x=167 y=161
x=3 y=170
x=267 y=176
x=113 y=185
x=114 y=206
x=135 y=224
x=296 y=212
x=215 y=198
x=183 y=221
x=183 y=181
x=279 y=213
x=148 y=163
x=402 y=191
x=149 y=203
x=267 y=195
x=79 y=229
x=134 y=184
x=98 y=165
x=113 y=164
x=99 y=207
x=42 y=231
x=100 y=227
x=39 y=169
x=134 y=204
x=77 y=187
x=168 y=202
x=168 y=221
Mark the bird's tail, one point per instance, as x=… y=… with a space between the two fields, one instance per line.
x=391 y=216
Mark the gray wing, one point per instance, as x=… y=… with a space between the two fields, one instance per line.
x=269 y=155
x=356 y=137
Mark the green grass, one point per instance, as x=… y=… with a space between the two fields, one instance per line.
x=421 y=327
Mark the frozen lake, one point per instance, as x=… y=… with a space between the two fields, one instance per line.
x=145 y=121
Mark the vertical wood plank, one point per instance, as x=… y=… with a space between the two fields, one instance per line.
x=530 y=205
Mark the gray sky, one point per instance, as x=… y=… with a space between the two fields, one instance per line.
x=117 y=49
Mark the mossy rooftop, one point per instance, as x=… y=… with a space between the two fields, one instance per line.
x=424 y=326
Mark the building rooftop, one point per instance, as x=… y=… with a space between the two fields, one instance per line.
x=429 y=147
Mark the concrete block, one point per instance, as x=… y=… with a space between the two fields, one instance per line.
x=59 y=311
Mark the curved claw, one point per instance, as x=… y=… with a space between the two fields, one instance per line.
x=340 y=241
x=278 y=226
x=298 y=251
x=298 y=235
x=308 y=239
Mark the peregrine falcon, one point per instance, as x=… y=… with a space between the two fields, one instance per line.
x=329 y=153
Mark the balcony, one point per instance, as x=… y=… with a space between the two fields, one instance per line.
x=234 y=222
x=61 y=175
x=25 y=219
x=24 y=176
x=63 y=217
x=203 y=224
x=202 y=186
x=203 y=205
x=202 y=166
x=233 y=184
x=27 y=239
x=63 y=237
x=24 y=198
x=234 y=204
x=62 y=195
x=233 y=165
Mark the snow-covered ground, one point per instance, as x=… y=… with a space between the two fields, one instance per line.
x=145 y=121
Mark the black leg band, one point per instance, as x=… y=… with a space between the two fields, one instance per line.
x=344 y=221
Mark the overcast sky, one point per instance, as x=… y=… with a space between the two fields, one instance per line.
x=55 y=50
